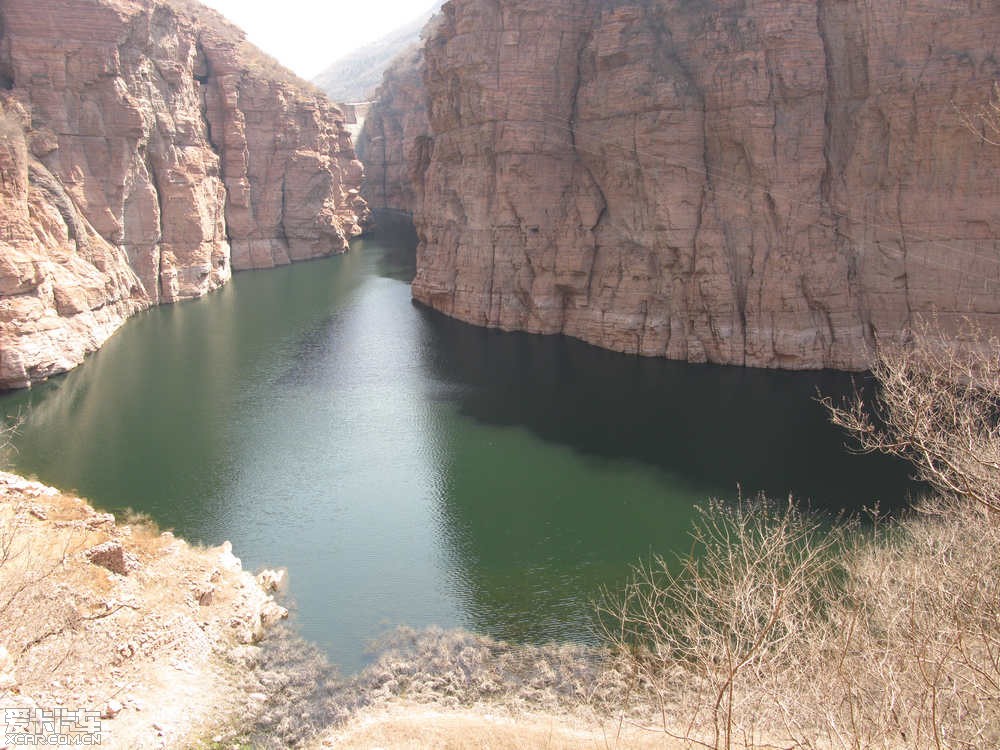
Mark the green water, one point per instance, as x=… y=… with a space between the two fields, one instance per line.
x=409 y=469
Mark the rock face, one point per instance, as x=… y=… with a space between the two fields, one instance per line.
x=147 y=152
x=749 y=182
x=395 y=143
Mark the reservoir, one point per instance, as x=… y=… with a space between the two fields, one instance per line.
x=408 y=469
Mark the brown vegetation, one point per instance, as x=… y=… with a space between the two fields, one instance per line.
x=455 y=672
x=780 y=630
x=784 y=632
x=704 y=640
x=416 y=727
x=937 y=407
x=984 y=121
x=122 y=620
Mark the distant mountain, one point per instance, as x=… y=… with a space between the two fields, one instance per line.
x=355 y=77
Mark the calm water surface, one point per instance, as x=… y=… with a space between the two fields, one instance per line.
x=409 y=469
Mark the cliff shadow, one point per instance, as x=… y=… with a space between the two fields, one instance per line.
x=717 y=427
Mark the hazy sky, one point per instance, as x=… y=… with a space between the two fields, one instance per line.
x=308 y=35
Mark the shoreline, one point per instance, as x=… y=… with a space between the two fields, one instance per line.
x=147 y=634
x=165 y=644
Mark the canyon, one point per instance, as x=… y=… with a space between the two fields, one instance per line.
x=747 y=182
x=770 y=184
x=147 y=151
x=756 y=183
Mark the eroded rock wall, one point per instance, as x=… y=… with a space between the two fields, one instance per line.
x=395 y=143
x=148 y=152
x=287 y=160
x=758 y=182
x=64 y=289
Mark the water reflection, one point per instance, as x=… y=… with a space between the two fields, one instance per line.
x=345 y=462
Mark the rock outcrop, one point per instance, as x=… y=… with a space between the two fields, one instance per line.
x=395 y=143
x=760 y=183
x=147 y=151
x=156 y=636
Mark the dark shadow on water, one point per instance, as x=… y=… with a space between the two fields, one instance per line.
x=717 y=427
x=317 y=419
x=396 y=237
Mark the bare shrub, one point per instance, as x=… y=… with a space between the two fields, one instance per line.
x=458 y=668
x=938 y=407
x=445 y=668
x=304 y=693
x=8 y=431
x=916 y=641
x=713 y=639
x=29 y=613
x=786 y=633
x=925 y=655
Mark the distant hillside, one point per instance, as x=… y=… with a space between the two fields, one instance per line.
x=355 y=77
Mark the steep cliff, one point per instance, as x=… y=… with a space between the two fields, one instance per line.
x=147 y=152
x=737 y=181
x=395 y=143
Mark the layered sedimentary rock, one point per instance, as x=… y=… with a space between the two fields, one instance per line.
x=148 y=151
x=288 y=163
x=64 y=289
x=755 y=182
x=395 y=143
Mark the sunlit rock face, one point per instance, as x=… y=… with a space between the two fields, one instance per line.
x=775 y=184
x=148 y=151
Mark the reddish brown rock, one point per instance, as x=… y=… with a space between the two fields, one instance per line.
x=395 y=143
x=110 y=555
x=148 y=151
x=288 y=162
x=769 y=183
x=64 y=289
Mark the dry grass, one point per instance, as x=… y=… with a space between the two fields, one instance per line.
x=31 y=571
x=984 y=121
x=915 y=641
x=703 y=640
x=456 y=668
x=416 y=727
x=780 y=631
x=779 y=636
x=937 y=407
x=80 y=635
x=451 y=671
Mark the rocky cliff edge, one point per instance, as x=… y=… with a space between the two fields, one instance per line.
x=775 y=184
x=146 y=152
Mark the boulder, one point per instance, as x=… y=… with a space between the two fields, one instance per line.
x=110 y=555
